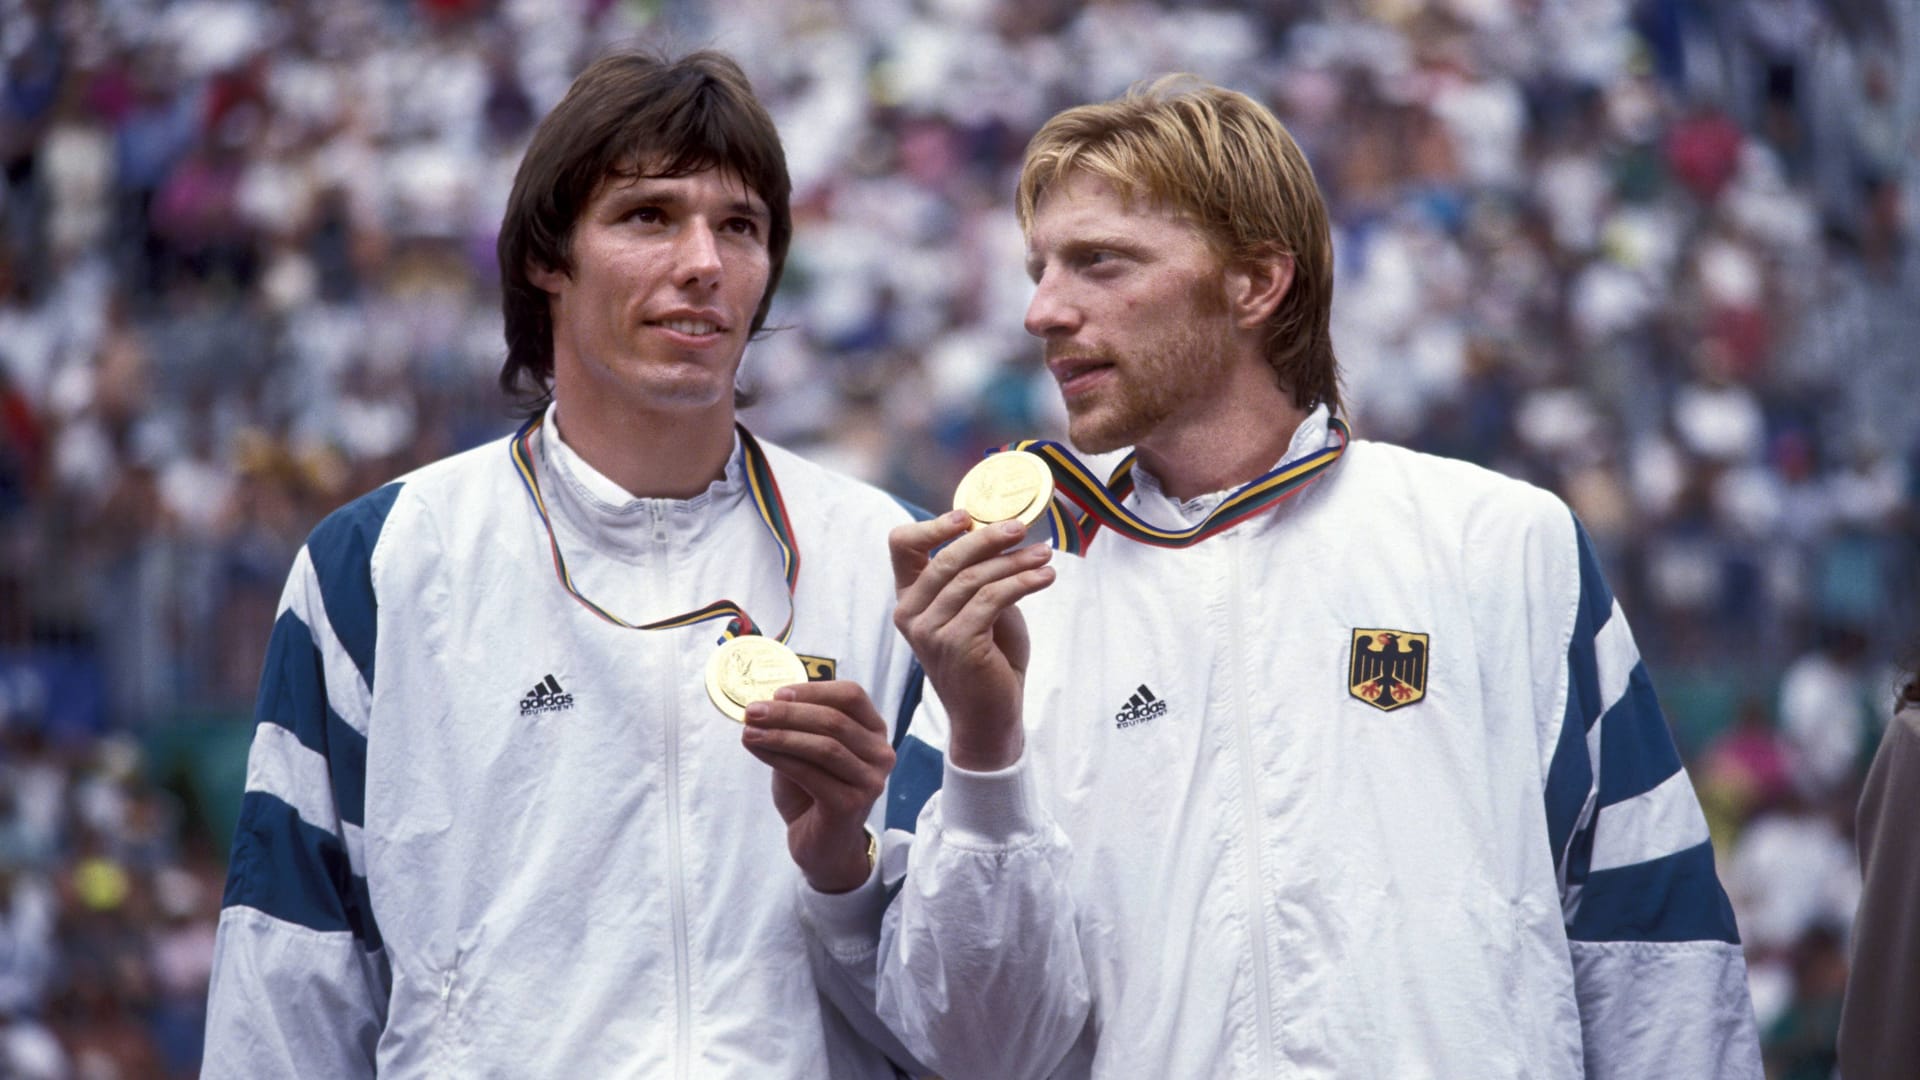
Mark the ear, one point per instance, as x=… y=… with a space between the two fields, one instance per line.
x=545 y=278
x=1256 y=286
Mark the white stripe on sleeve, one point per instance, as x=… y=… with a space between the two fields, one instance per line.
x=281 y=766
x=347 y=692
x=1650 y=825
x=1615 y=657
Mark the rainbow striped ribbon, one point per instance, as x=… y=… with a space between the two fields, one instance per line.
x=766 y=499
x=1103 y=504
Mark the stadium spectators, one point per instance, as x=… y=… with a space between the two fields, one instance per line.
x=1657 y=256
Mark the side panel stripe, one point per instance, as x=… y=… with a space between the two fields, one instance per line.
x=909 y=702
x=341 y=548
x=917 y=772
x=354 y=838
x=1648 y=826
x=1615 y=657
x=1569 y=783
x=347 y=761
x=293 y=692
x=281 y=766
x=1636 y=750
x=296 y=873
x=348 y=694
x=1596 y=599
x=294 y=696
x=1570 y=774
x=1675 y=898
x=1637 y=865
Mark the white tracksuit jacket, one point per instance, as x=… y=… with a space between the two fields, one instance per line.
x=1215 y=859
x=442 y=871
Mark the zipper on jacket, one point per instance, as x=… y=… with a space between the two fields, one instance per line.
x=676 y=867
x=1253 y=835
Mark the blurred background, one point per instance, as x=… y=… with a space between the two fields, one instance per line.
x=1656 y=255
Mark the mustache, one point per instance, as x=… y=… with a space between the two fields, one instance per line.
x=1060 y=350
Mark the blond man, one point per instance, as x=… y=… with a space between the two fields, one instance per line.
x=1334 y=759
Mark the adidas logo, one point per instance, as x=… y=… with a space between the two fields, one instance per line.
x=546 y=696
x=1140 y=708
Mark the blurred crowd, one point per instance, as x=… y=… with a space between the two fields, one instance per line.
x=1657 y=255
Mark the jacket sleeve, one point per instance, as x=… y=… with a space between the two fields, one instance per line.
x=980 y=967
x=843 y=929
x=1659 y=977
x=300 y=979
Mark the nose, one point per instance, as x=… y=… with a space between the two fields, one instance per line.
x=1051 y=312
x=699 y=255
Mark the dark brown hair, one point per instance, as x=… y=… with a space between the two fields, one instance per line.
x=628 y=114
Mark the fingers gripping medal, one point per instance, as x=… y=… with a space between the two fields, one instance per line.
x=744 y=670
x=1008 y=486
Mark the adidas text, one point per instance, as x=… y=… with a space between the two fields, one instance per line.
x=1140 y=708
x=545 y=697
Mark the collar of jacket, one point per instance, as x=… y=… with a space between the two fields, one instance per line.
x=592 y=505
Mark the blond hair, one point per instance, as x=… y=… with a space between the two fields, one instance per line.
x=1226 y=162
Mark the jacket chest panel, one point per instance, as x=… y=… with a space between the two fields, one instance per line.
x=1356 y=692
x=535 y=746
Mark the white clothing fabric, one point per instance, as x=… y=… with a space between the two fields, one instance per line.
x=1220 y=856
x=487 y=833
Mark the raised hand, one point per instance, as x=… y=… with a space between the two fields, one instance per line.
x=956 y=608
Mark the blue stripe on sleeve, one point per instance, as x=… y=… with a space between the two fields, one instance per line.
x=909 y=702
x=341 y=548
x=293 y=687
x=1674 y=898
x=347 y=767
x=1570 y=773
x=1569 y=779
x=295 y=872
x=917 y=771
x=1596 y=599
x=1636 y=750
x=293 y=695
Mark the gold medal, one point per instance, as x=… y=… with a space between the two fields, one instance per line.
x=1011 y=485
x=749 y=669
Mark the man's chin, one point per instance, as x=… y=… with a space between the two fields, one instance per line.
x=686 y=390
x=1090 y=438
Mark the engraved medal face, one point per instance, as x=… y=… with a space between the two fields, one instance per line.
x=747 y=669
x=1010 y=485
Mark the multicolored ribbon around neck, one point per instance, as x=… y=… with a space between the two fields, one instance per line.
x=766 y=499
x=1103 y=504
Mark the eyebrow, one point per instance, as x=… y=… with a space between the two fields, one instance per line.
x=653 y=190
x=1080 y=245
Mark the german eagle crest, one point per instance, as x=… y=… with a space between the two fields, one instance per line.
x=1387 y=669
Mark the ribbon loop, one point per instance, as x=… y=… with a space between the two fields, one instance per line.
x=1104 y=503
x=766 y=499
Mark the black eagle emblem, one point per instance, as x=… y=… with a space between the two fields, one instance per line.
x=1388 y=668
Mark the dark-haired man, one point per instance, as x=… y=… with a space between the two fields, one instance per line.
x=1329 y=759
x=495 y=823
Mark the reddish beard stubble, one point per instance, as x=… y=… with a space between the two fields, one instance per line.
x=1173 y=367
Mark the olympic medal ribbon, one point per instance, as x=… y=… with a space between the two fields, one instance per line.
x=766 y=500
x=1103 y=503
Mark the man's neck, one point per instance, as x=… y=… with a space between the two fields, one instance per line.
x=1237 y=441
x=653 y=455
